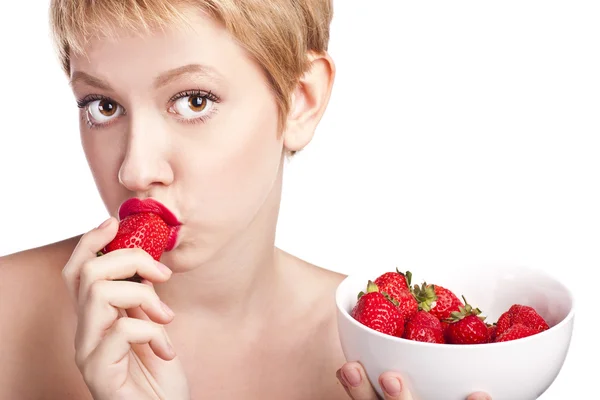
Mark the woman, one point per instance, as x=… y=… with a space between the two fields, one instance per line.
x=195 y=105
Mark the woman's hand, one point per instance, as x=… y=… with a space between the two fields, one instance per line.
x=354 y=379
x=122 y=348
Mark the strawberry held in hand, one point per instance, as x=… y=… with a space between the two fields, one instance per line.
x=378 y=311
x=146 y=231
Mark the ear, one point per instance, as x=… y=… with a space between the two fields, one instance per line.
x=308 y=102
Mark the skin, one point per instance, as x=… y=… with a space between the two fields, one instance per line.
x=231 y=334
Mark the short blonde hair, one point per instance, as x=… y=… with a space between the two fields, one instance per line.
x=278 y=34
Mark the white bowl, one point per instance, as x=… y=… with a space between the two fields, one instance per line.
x=517 y=370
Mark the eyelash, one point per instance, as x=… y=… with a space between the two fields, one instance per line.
x=85 y=101
x=197 y=93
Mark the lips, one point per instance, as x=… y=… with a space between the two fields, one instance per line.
x=136 y=206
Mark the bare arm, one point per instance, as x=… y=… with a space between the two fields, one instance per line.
x=36 y=325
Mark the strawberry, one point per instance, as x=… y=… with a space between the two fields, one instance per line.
x=491 y=332
x=520 y=314
x=396 y=285
x=144 y=230
x=394 y=282
x=424 y=327
x=466 y=326
x=516 y=331
x=407 y=304
x=378 y=311
x=437 y=300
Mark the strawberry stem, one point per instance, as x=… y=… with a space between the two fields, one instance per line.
x=425 y=296
x=464 y=311
x=407 y=275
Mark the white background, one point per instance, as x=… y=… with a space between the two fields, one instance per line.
x=462 y=133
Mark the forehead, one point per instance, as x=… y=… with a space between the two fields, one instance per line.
x=141 y=56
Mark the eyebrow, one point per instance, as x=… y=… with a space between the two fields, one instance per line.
x=197 y=69
x=160 y=81
x=80 y=76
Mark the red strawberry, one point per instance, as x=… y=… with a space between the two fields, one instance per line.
x=396 y=285
x=520 y=314
x=377 y=311
x=516 y=331
x=407 y=304
x=439 y=301
x=466 y=326
x=492 y=332
x=393 y=283
x=144 y=230
x=424 y=327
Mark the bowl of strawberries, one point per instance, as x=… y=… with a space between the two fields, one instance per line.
x=457 y=330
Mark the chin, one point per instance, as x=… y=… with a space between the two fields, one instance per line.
x=189 y=256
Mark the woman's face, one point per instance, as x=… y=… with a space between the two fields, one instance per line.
x=187 y=118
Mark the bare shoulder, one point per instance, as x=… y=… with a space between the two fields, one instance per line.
x=313 y=288
x=32 y=275
x=35 y=311
x=307 y=272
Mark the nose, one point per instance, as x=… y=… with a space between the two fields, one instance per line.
x=146 y=162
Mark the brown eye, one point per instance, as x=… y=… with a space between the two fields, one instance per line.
x=197 y=103
x=107 y=107
x=192 y=106
x=102 y=111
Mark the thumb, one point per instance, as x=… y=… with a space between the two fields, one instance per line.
x=394 y=387
x=354 y=379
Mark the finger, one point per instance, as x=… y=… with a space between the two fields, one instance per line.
x=121 y=264
x=394 y=387
x=479 y=396
x=355 y=381
x=125 y=332
x=99 y=312
x=87 y=248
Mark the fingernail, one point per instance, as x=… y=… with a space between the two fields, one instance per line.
x=392 y=386
x=167 y=310
x=352 y=376
x=163 y=268
x=104 y=224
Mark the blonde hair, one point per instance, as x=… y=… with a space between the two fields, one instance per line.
x=278 y=34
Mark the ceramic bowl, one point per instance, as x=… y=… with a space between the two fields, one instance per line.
x=516 y=370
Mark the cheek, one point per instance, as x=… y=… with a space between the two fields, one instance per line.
x=240 y=166
x=104 y=166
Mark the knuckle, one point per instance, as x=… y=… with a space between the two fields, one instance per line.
x=87 y=269
x=138 y=252
x=66 y=273
x=148 y=293
x=79 y=360
x=97 y=291
x=122 y=326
